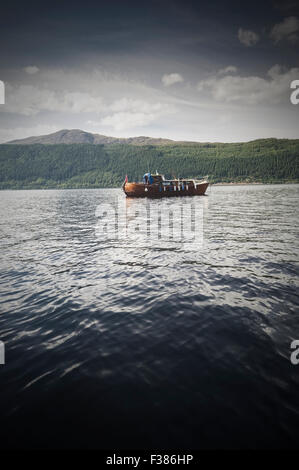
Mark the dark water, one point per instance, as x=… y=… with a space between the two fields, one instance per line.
x=123 y=343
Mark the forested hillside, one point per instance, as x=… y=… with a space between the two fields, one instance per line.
x=89 y=166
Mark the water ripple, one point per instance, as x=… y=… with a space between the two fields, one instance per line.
x=170 y=335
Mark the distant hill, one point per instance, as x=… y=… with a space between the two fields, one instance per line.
x=85 y=165
x=76 y=136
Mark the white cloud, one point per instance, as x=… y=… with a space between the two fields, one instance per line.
x=31 y=69
x=94 y=124
x=126 y=120
x=276 y=70
x=103 y=101
x=82 y=102
x=252 y=89
x=247 y=37
x=29 y=100
x=171 y=79
x=288 y=29
x=95 y=92
x=228 y=69
x=130 y=114
x=127 y=104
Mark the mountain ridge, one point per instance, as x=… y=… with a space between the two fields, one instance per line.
x=78 y=136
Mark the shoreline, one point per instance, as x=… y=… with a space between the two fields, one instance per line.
x=252 y=183
x=118 y=187
x=241 y=184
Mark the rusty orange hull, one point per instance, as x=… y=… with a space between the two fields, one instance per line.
x=159 y=190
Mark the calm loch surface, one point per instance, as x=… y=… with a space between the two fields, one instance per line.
x=125 y=342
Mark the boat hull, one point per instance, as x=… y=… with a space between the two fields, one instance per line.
x=159 y=190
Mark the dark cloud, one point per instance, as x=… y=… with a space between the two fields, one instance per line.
x=66 y=61
x=58 y=32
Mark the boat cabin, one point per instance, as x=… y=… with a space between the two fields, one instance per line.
x=148 y=178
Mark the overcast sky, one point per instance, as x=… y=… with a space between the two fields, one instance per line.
x=204 y=70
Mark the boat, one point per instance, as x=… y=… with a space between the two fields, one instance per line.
x=156 y=186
